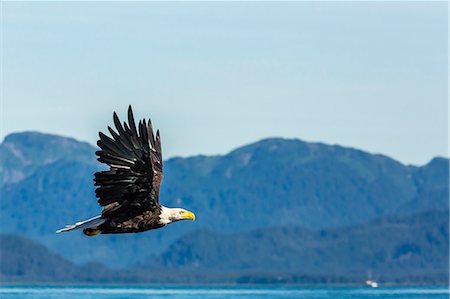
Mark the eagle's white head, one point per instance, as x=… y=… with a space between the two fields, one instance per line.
x=169 y=215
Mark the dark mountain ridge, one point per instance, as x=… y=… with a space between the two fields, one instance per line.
x=417 y=242
x=24 y=260
x=411 y=249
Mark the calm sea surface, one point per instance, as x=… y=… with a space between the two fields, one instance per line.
x=171 y=292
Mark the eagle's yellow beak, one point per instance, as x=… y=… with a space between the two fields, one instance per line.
x=189 y=215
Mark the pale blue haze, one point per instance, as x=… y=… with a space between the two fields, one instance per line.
x=214 y=76
x=260 y=292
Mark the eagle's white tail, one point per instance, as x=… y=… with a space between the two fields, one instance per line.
x=90 y=223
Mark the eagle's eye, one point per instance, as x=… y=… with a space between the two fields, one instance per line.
x=181 y=212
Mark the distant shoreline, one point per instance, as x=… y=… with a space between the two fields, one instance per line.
x=212 y=285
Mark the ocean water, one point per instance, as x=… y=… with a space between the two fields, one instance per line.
x=230 y=292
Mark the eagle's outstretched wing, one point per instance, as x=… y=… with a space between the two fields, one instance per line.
x=131 y=185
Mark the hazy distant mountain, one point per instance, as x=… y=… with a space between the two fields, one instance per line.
x=432 y=188
x=21 y=154
x=271 y=183
x=277 y=182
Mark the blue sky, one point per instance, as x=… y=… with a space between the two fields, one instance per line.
x=215 y=76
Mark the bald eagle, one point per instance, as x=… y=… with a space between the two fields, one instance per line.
x=129 y=190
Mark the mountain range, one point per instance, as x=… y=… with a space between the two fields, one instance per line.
x=295 y=201
x=406 y=250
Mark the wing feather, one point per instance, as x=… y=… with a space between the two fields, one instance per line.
x=131 y=184
x=109 y=145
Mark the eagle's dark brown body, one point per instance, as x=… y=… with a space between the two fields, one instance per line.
x=143 y=222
